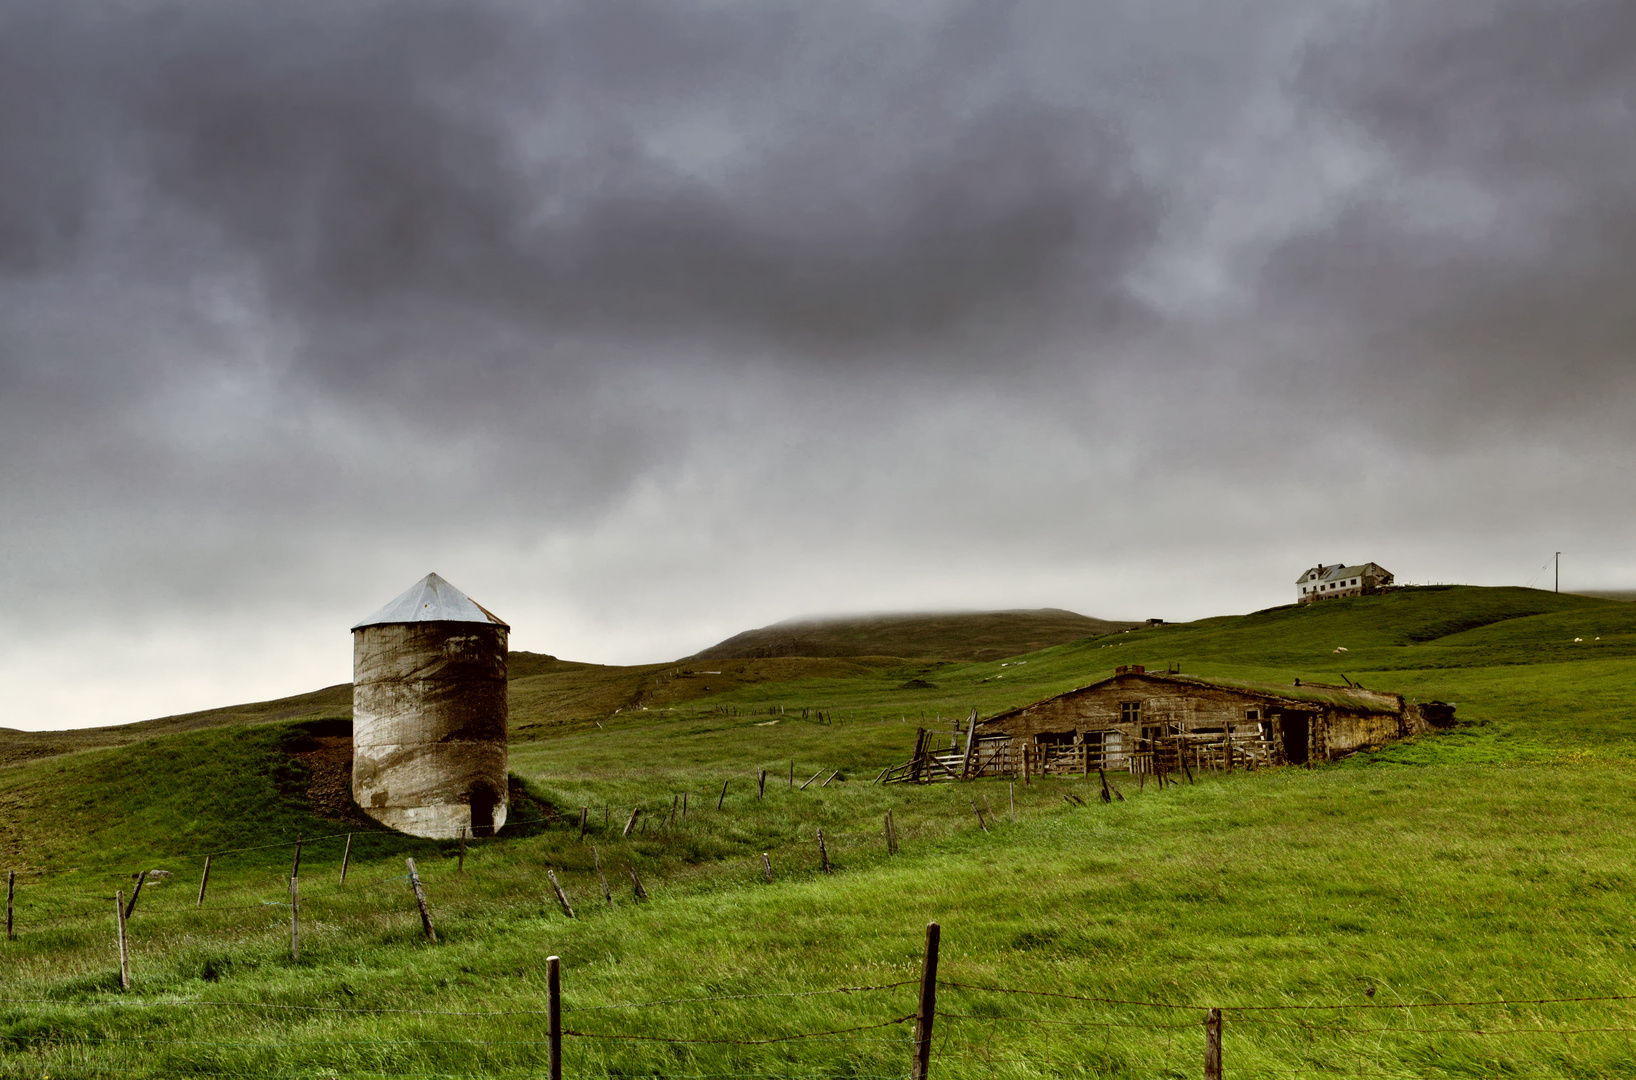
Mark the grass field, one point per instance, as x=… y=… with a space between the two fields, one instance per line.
x=1489 y=863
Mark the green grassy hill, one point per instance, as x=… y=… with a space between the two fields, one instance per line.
x=964 y=635
x=1487 y=863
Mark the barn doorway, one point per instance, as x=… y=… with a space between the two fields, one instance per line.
x=483 y=801
x=1294 y=728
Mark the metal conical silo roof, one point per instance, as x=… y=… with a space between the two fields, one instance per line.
x=431 y=599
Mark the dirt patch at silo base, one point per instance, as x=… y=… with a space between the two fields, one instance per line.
x=329 y=760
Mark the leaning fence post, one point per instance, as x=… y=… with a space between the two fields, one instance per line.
x=584 y=815
x=722 y=796
x=346 y=857
x=141 y=876
x=204 y=879
x=823 y=852
x=920 y=1069
x=891 y=836
x=11 y=891
x=553 y=1014
x=607 y=893
x=1011 y=790
x=767 y=867
x=124 y=949
x=420 y=900
x=761 y=790
x=636 y=883
x=631 y=824
x=1212 y=1045
x=562 y=897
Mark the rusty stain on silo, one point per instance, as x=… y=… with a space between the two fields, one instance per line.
x=429 y=713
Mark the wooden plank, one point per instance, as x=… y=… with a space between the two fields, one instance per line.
x=204 y=878
x=971 y=745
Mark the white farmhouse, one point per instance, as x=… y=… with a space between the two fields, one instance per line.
x=1337 y=580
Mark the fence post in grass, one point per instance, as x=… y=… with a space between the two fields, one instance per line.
x=813 y=777
x=562 y=897
x=1107 y=797
x=204 y=879
x=636 y=883
x=891 y=836
x=684 y=808
x=607 y=893
x=832 y=776
x=920 y=1069
x=124 y=949
x=1212 y=1045
x=792 y=774
x=553 y=1014
x=11 y=892
x=346 y=858
x=823 y=852
x=767 y=867
x=675 y=804
x=1011 y=790
x=979 y=814
x=584 y=819
x=761 y=790
x=420 y=901
x=461 y=866
x=141 y=876
x=295 y=919
x=631 y=824
x=723 y=794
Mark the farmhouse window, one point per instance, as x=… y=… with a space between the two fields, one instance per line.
x=1252 y=714
x=1130 y=712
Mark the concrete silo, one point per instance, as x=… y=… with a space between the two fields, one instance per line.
x=429 y=713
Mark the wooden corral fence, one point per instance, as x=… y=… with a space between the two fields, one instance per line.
x=1003 y=755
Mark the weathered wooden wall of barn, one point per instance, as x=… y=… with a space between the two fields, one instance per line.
x=1344 y=732
x=1099 y=708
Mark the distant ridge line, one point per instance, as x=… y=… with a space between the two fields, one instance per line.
x=949 y=635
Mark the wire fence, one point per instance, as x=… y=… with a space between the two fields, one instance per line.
x=920 y=1038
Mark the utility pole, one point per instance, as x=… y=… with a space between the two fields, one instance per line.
x=1558 y=586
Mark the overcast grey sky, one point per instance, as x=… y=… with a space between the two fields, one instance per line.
x=648 y=322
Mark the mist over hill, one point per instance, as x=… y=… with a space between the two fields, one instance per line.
x=955 y=635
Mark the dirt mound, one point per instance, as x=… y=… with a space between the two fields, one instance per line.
x=329 y=760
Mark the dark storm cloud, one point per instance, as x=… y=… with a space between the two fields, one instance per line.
x=1488 y=262
x=646 y=321
x=540 y=166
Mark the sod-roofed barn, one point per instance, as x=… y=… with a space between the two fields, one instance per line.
x=1138 y=720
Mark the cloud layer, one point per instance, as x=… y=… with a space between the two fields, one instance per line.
x=645 y=322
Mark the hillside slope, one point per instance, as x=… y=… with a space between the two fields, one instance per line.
x=964 y=635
